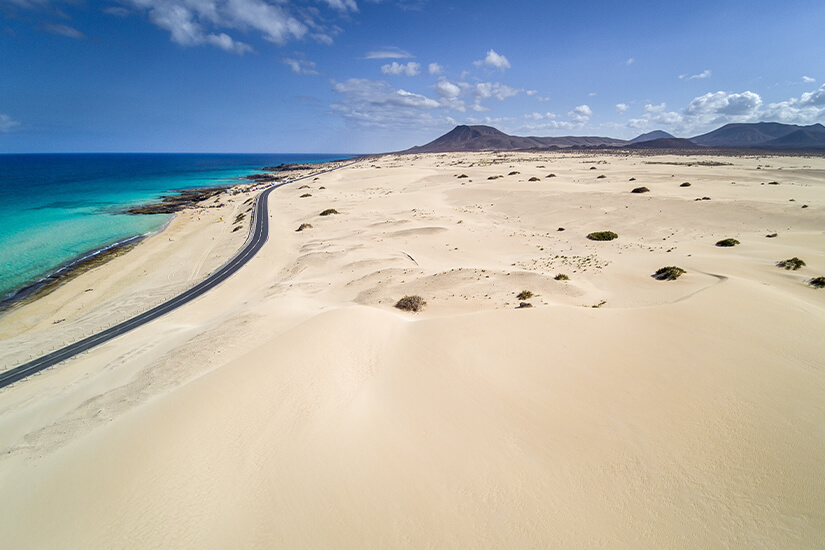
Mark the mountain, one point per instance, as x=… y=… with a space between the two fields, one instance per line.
x=805 y=138
x=486 y=138
x=650 y=136
x=762 y=134
x=664 y=143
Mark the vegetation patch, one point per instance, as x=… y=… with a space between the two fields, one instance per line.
x=818 y=282
x=239 y=218
x=773 y=183
x=534 y=178
x=669 y=273
x=791 y=264
x=305 y=195
x=514 y=173
x=463 y=176
x=727 y=242
x=524 y=295
x=304 y=226
x=601 y=177
x=686 y=184
x=641 y=190
x=561 y=277
x=632 y=179
x=328 y=212
x=411 y=303
x=551 y=175
x=602 y=236
x=771 y=235
x=524 y=305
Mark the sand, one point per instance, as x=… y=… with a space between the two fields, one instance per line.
x=293 y=406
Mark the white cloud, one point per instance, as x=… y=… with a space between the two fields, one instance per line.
x=390 y=52
x=64 y=30
x=580 y=114
x=540 y=116
x=807 y=109
x=409 y=69
x=630 y=61
x=342 y=5
x=447 y=89
x=7 y=124
x=622 y=107
x=486 y=90
x=808 y=80
x=300 y=64
x=655 y=108
x=703 y=74
x=724 y=107
x=494 y=60
x=435 y=68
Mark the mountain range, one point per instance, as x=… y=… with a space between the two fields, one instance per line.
x=762 y=135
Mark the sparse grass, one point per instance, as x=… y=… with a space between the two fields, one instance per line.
x=534 y=178
x=305 y=195
x=669 y=273
x=602 y=236
x=817 y=282
x=600 y=304
x=524 y=295
x=561 y=277
x=328 y=212
x=727 y=242
x=791 y=264
x=239 y=218
x=686 y=184
x=411 y=303
x=304 y=226
x=641 y=190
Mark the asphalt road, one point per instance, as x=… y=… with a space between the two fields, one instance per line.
x=258 y=237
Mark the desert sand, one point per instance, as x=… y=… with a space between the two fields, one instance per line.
x=295 y=407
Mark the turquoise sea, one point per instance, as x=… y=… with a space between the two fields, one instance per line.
x=56 y=208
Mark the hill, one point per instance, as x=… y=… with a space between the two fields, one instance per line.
x=762 y=134
x=650 y=136
x=486 y=138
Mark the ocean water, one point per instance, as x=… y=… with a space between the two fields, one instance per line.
x=58 y=207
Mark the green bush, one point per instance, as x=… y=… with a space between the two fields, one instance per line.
x=328 y=211
x=602 y=236
x=727 y=242
x=524 y=295
x=561 y=277
x=818 y=282
x=669 y=273
x=411 y=303
x=791 y=263
x=304 y=226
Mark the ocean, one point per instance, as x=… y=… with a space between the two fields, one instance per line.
x=57 y=208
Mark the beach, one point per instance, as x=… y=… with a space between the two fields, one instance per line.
x=294 y=406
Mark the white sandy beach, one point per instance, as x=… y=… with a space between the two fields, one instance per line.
x=294 y=406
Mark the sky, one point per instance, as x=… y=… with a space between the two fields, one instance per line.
x=371 y=76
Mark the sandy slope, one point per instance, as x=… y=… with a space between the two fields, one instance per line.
x=294 y=407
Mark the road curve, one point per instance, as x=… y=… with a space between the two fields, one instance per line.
x=258 y=236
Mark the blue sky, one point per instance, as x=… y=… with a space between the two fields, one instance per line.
x=361 y=76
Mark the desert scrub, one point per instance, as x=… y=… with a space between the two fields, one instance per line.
x=818 y=282
x=601 y=177
x=524 y=295
x=534 y=178
x=561 y=277
x=305 y=195
x=686 y=184
x=411 y=303
x=304 y=226
x=514 y=173
x=462 y=176
x=669 y=273
x=727 y=242
x=641 y=190
x=791 y=263
x=328 y=212
x=602 y=236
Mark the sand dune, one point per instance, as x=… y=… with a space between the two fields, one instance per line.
x=295 y=407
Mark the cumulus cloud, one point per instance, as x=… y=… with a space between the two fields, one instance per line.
x=409 y=69
x=703 y=74
x=342 y=5
x=806 y=109
x=435 y=68
x=630 y=61
x=540 y=116
x=485 y=90
x=390 y=52
x=374 y=103
x=580 y=114
x=494 y=60
x=808 y=80
x=7 y=124
x=447 y=89
x=300 y=64
x=724 y=107
x=622 y=107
